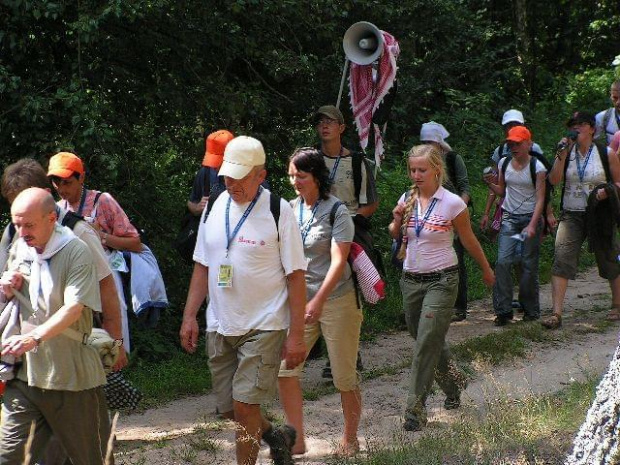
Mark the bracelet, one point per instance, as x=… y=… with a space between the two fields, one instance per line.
x=118 y=342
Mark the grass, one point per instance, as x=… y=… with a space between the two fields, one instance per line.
x=534 y=430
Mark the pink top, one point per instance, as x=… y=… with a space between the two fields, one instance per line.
x=108 y=214
x=433 y=250
x=615 y=142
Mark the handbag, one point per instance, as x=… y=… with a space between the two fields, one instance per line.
x=366 y=275
x=185 y=242
x=120 y=393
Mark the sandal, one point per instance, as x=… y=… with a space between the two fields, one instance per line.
x=552 y=322
x=614 y=314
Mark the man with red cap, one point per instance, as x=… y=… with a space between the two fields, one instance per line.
x=521 y=182
x=207 y=177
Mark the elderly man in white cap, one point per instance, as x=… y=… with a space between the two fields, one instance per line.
x=456 y=182
x=249 y=259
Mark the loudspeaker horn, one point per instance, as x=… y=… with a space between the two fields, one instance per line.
x=363 y=43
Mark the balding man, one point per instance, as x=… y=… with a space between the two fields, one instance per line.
x=59 y=385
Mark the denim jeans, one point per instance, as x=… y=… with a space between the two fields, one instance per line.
x=509 y=252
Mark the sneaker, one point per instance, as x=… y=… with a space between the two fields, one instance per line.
x=412 y=424
x=280 y=441
x=327 y=372
x=527 y=318
x=502 y=320
x=459 y=316
x=452 y=403
x=516 y=305
x=552 y=322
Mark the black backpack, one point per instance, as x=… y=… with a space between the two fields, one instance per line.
x=534 y=156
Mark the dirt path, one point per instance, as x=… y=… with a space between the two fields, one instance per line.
x=187 y=431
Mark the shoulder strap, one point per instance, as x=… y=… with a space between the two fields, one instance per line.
x=533 y=169
x=332 y=213
x=356 y=161
x=602 y=152
x=12 y=232
x=274 y=206
x=206 y=186
x=212 y=198
x=506 y=160
x=71 y=219
x=451 y=166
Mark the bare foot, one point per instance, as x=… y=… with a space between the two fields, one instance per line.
x=348 y=448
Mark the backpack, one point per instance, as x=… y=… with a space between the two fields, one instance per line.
x=602 y=137
x=185 y=242
x=534 y=156
x=451 y=172
x=602 y=152
x=368 y=278
x=397 y=243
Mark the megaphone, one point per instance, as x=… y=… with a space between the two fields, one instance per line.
x=363 y=43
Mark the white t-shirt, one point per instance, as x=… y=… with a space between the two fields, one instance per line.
x=612 y=125
x=576 y=192
x=520 y=195
x=258 y=298
x=433 y=250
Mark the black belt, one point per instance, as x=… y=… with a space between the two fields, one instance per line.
x=430 y=277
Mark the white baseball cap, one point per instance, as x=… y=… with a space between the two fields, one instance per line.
x=435 y=132
x=513 y=116
x=241 y=155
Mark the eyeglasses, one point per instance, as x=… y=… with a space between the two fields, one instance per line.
x=326 y=121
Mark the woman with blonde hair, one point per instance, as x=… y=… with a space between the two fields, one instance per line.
x=426 y=218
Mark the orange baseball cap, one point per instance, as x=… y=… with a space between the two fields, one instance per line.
x=64 y=164
x=519 y=134
x=216 y=144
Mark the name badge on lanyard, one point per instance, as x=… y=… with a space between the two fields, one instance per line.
x=225 y=270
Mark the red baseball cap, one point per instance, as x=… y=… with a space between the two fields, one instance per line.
x=519 y=134
x=216 y=144
x=64 y=164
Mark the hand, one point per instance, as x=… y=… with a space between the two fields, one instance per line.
x=203 y=202
x=601 y=194
x=484 y=222
x=11 y=280
x=398 y=213
x=529 y=231
x=313 y=311
x=552 y=221
x=121 y=361
x=294 y=351
x=488 y=276
x=490 y=178
x=18 y=345
x=189 y=335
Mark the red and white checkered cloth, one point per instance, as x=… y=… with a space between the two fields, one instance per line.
x=367 y=95
x=368 y=279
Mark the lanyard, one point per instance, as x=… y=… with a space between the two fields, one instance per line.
x=82 y=200
x=332 y=175
x=417 y=224
x=305 y=228
x=241 y=221
x=582 y=171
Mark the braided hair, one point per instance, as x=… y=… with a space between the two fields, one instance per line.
x=435 y=159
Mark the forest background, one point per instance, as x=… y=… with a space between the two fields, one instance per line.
x=133 y=87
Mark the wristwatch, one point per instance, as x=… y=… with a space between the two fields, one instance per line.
x=37 y=339
x=118 y=342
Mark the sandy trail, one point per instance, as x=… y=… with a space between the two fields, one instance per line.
x=184 y=431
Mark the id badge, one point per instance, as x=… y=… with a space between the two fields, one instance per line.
x=225 y=276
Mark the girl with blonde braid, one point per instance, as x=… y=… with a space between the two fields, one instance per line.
x=427 y=217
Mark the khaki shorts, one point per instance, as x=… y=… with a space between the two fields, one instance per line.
x=571 y=234
x=340 y=325
x=244 y=368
